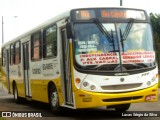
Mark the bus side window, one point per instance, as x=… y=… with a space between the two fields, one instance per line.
x=36 y=46
x=11 y=54
x=3 y=57
x=50 y=42
x=17 y=53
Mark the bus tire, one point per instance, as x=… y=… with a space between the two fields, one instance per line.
x=122 y=107
x=54 y=100
x=17 y=99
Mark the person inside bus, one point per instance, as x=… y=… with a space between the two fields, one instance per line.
x=108 y=44
x=103 y=44
x=98 y=43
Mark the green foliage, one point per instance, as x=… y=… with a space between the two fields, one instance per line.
x=0 y=65
x=155 y=21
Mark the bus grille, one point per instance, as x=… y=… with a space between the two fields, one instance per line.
x=122 y=99
x=121 y=87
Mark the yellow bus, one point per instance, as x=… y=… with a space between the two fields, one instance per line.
x=84 y=58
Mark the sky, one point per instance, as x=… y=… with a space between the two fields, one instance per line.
x=20 y=16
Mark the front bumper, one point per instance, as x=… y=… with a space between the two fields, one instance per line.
x=84 y=99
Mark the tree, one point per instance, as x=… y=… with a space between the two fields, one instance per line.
x=155 y=21
x=0 y=64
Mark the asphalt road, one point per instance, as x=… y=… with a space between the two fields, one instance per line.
x=140 y=109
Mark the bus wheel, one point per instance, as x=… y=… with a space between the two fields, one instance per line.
x=54 y=100
x=17 y=99
x=122 y=107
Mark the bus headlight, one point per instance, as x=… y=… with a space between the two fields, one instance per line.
x=89 y=86
x=153 y=79
x=85 y=84
x=148 y=83
x=92 y=87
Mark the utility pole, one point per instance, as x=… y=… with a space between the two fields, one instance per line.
x=3 y=28
x=2 y=32
x=120 y=2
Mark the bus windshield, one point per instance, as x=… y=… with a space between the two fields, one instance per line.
x=114 y=46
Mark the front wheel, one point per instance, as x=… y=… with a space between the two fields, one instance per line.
x=17 y=99
x=122 y=107
x=54 y=100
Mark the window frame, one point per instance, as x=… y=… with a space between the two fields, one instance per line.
x=19 y=52
x=3 y=61
x=12 y=60
x=55 y=53
x=38 y=46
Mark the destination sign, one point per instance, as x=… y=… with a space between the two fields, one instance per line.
x=108 y=13
x=122 y=13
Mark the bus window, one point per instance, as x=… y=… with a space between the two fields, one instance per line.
x=17 y=53
x=3 y=57
x=50 y=42
x=35 y=46
x=12 y=54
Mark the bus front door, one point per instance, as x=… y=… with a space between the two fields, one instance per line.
x=26 y=69
x=66 y=69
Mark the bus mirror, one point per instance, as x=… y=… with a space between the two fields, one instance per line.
x=69 y=30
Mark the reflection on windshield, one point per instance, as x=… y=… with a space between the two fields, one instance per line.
x=131 y=49
x=89 y=39
x=139 y=37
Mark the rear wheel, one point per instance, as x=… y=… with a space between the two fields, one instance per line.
x=54 y=100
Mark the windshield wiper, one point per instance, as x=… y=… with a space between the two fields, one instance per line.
x=110 y=37
x=103 y=29
x=112 y=40
x=126 y=32
x=120 y=68
x=122 y=44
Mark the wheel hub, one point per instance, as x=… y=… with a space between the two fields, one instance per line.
x=54 y=99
